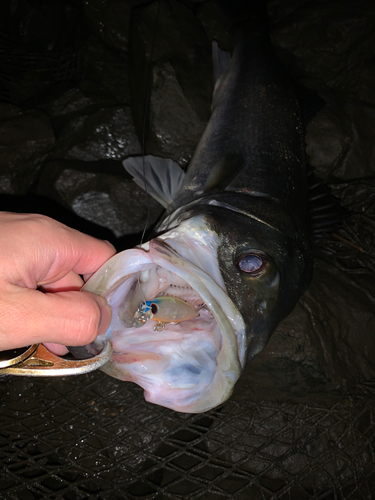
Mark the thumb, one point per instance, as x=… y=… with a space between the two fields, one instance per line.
x=78 y=317
x=68 y=318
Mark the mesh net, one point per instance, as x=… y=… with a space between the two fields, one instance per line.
x=95 y=437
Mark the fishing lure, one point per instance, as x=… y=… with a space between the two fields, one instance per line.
x=164 y=310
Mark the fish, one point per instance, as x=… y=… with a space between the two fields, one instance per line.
x=234 y=247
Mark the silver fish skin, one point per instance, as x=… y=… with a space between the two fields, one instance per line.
x=234 y=243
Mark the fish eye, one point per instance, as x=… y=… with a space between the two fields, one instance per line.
x=252 y=263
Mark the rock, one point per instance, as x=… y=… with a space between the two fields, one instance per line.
x=182 y=79
x=327 y=141
x=329 y=45
x=328 y=38
x=359 y=160
x=25 y=141
x=172 y=118
x=63 y=102
x=8 y=111
x=106 y=67
x=103 y=194
x=106 y=134
x=110 y=20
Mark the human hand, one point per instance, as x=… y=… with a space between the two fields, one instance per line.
x=40 y=297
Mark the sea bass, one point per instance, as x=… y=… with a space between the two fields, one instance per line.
x=232 y=255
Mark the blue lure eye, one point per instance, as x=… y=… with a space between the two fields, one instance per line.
x=251 y=263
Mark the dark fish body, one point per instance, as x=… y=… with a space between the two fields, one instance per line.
x=249 y=172
x=234 y=247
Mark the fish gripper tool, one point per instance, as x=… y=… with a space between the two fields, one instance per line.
x=38 y=361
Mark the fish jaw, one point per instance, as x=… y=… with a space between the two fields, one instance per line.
x=191 y=366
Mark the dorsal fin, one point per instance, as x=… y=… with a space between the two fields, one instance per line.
x=163 y=177
x=221 y=60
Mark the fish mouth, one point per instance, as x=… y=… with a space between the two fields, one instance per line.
x=189 y=366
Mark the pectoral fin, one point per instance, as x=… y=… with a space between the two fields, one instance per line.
x=160 y=177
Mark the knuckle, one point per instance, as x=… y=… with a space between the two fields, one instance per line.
x=88 y=319
x=40 y=224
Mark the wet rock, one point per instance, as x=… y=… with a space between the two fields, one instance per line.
x=360 y=158
x=329 y=45
x=327 y=141
x=173 y=118
x=339 y=140
x=62 y=102
x=110 y=20
x=106 y=134
x=25 y=141
x=328 y=39
x=100 y=192
x=182 y=78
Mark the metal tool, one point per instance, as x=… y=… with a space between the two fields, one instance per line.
x=38 y=361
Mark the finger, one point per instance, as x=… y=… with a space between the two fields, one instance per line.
x=58 y=349
x=71 y=281
x=75 y=252
x=40 y=250
x=68 y=318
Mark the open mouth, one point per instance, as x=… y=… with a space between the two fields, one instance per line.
x=174 y=330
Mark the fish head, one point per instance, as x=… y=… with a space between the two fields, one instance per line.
x=265 y=260
x=202 y=255
x=263 y=256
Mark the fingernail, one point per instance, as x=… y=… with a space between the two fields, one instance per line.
x=105 y=318
x=109 y=244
